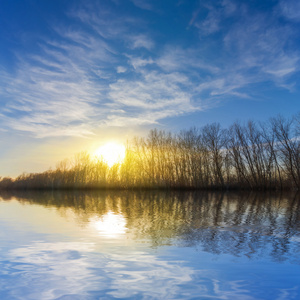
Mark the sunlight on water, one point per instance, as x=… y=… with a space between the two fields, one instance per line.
x=111 y=225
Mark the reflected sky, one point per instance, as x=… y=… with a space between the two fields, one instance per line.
x=149 y=246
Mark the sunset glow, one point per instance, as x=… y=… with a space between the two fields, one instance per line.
x=112 y=153
x=75 y=74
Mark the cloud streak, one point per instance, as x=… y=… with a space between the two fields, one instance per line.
x=255 y=48
x=70 y=88
x=105 y=71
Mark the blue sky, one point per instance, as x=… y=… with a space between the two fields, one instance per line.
x=76 y=73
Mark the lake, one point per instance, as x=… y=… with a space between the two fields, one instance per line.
x=149 y=245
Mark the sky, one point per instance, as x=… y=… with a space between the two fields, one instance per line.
x=76 y=74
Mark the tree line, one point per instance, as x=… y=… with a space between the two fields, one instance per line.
x=244 y=156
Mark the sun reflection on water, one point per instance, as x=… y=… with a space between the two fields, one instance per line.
x=110 y=225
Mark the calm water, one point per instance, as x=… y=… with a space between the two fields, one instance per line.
x=126 y=245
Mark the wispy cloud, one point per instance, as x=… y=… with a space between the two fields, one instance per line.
x=290 y=9
x=152 y=97
x=175 y=58
x=143 y=4
x=216 y=12
x=52 y=94
x=263 y=44
x=211 y=24
x=75 y=83
x=141 y=41
x=254 y=46
x=121 y=69
x=101 y=19
x=61 y=90
x=107 y=71
x=139 y=62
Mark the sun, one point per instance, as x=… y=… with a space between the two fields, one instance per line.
x=112 y=153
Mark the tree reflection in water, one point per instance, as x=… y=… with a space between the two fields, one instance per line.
x=240 y=224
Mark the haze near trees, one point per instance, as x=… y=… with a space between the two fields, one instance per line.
x=243 y=156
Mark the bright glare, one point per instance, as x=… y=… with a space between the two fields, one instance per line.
x=110 y=225
x=111 y=153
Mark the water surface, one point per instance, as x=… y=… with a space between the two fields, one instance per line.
x=149 y=245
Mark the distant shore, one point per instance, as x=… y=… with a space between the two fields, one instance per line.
x=246 y=156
